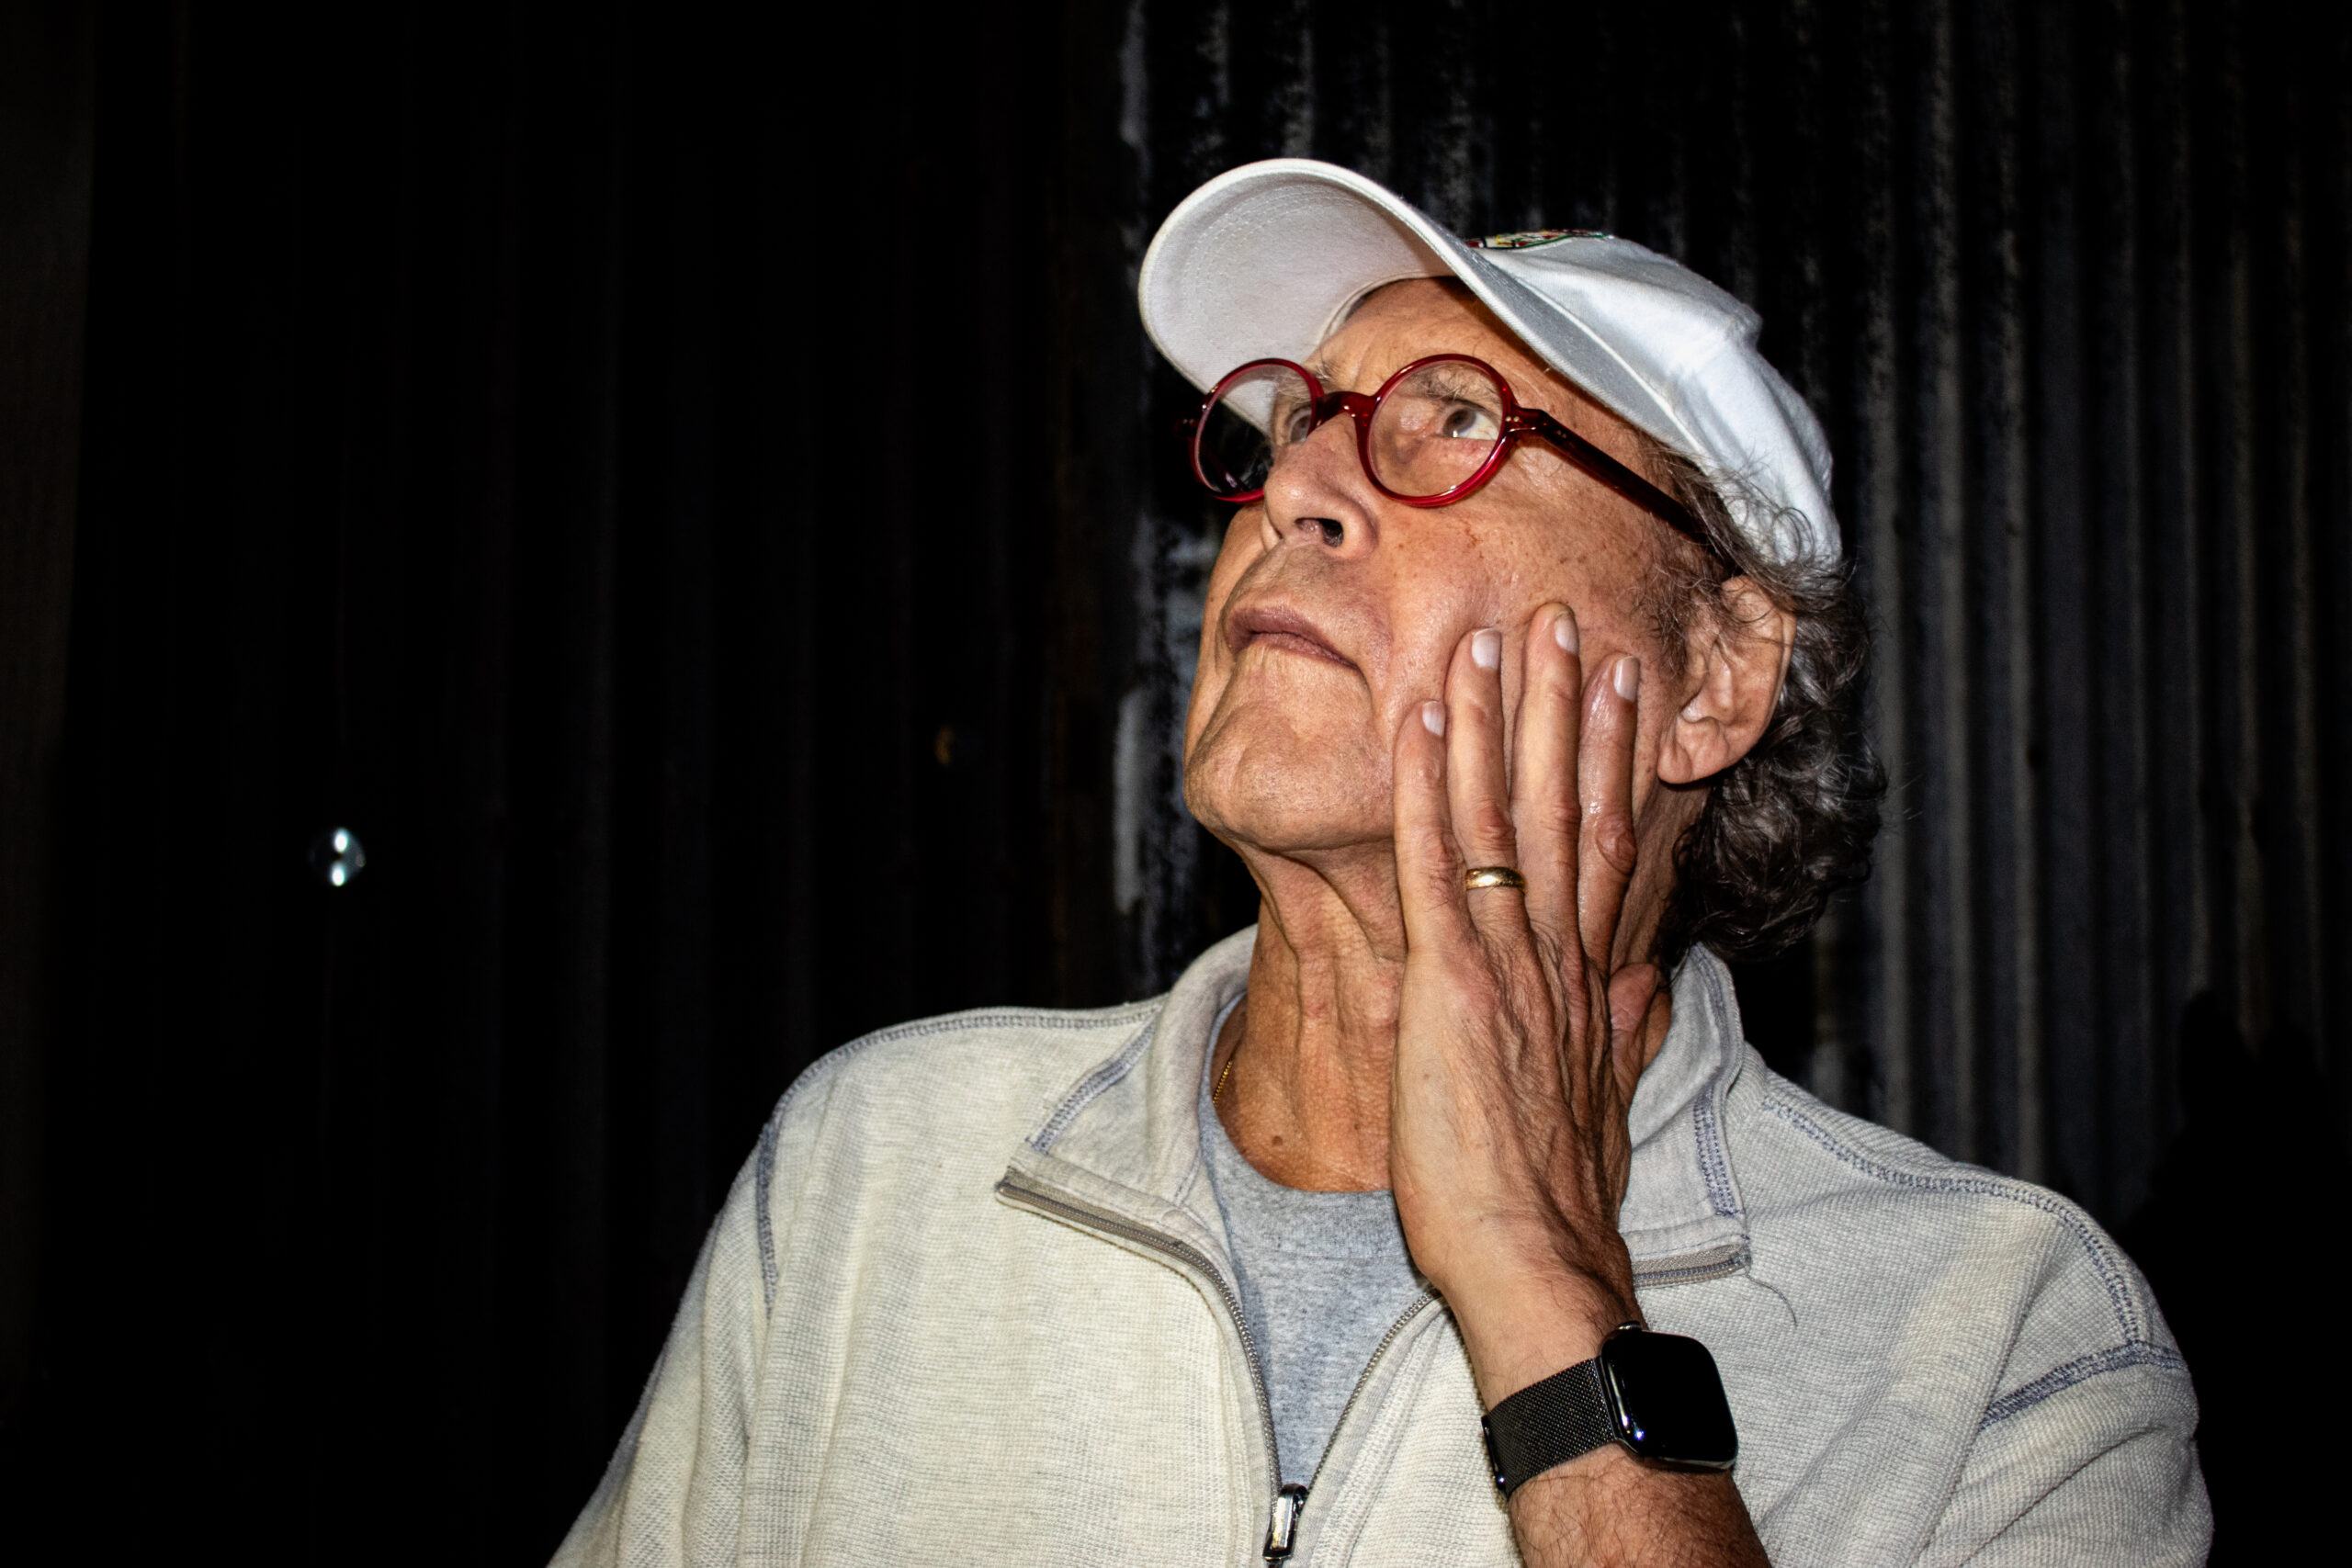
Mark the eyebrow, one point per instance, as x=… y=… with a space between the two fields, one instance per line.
x=1325 y=373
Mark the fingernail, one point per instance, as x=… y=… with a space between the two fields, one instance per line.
x=1564 y=630
x=1486 y=649
x=1629 y=677
x=1434 y=718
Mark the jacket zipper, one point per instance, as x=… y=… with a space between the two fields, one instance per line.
x=1283 y=1511
x=1703 y=1267
x=1363 y=1378
x=1713 y=1264
x=1281 y=1519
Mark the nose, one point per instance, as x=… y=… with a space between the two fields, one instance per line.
x=1319 y=493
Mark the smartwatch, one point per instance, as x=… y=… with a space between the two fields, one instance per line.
x=1657 y=1394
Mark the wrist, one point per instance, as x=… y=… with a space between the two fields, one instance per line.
x=1522 y=1326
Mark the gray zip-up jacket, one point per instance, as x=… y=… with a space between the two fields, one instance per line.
x=970 y=1303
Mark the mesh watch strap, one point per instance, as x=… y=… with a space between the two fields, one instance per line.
x=1546 y=1424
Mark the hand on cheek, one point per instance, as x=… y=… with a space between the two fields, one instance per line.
x=1517 y=1046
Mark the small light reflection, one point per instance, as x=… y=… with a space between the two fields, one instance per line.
x=337 y=856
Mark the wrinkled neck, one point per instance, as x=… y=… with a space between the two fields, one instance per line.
x=1303 y=1067
x=1311 y=1049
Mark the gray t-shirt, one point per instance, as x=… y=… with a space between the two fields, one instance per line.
x=1323 y=1277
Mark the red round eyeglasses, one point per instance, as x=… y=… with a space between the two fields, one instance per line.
x=1435 y=432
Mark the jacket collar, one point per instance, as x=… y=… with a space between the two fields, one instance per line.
x=1126 y=1137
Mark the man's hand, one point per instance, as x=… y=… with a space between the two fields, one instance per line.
x=1519 y=1043
x=1517 y=1048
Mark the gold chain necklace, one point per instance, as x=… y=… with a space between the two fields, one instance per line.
x=1228 y=1072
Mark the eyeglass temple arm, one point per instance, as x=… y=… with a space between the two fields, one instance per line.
x=1616 y=476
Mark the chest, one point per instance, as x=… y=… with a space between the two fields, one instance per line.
x=1009 y=1388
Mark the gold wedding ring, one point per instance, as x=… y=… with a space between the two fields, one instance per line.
x=1492 y=876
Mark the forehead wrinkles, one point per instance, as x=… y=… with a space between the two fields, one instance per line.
x=1375 y=343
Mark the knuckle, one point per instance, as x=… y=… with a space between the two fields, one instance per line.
x=1613 y=837
x=1489 y=824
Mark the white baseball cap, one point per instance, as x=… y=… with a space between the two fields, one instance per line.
x=1266 y=260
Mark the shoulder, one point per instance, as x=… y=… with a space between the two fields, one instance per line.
x=1948 y=1298
x=989 y=1070
x=917 y=1117
x=950 y=1094
x=1917 y=1231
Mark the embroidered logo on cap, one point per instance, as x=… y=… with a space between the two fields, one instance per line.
x=1528 y=239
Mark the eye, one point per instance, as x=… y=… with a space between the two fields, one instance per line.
x=1466 y=421
x=1290 y=421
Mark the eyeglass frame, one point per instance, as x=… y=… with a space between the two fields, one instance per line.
x=1518 y=422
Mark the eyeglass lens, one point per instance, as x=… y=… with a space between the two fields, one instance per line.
x=1258 y=411
x=1436 y=429
x=1432 y=431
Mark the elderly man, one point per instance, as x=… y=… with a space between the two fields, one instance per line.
x=1445 y=1216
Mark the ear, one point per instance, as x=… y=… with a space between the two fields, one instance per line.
x=1739 y=655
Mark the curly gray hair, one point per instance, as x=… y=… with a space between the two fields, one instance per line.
x=1789 y=824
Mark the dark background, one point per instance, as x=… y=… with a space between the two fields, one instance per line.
x=687 y=487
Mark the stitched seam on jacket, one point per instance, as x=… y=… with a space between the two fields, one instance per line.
x=1710 y=1155
x=763 y=1165
x=2127 y=1315
x=1714 y=1166
x=2136 y=1353
x=763 y=1178
x=1102 y=1078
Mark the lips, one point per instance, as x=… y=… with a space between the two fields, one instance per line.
x=1283 y=630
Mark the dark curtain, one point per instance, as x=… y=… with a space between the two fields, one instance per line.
x=598 y=459
x=684 y=489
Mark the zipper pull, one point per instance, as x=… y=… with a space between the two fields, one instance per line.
x=1282 y=1520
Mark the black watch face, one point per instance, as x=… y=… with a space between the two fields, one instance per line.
x=1672 y=1401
